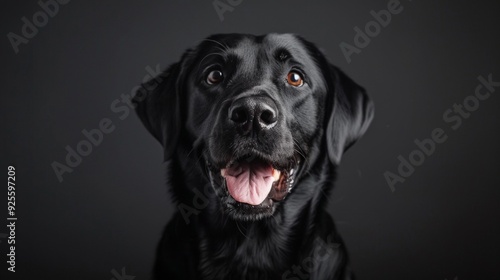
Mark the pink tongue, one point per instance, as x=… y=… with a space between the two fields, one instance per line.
x=250 y=182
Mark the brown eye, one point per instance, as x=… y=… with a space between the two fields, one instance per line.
x=295 y=79
x=214 y=77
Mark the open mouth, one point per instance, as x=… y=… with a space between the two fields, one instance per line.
x=253 y=184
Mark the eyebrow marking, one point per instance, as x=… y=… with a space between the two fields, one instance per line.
x=282 y=54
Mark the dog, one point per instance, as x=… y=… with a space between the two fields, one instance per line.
x=252 y=129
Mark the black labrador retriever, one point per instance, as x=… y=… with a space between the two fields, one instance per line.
x=253 y=128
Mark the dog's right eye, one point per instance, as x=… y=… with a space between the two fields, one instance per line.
x=295 y=79
x=214 y=77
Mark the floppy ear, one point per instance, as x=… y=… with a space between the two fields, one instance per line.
x=350 y=116
x=348 y=111
x=157 y=105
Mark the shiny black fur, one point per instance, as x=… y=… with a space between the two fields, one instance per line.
x=211 y=237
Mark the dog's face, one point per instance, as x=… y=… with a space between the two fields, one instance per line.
x=257 y=110
x=262 y=96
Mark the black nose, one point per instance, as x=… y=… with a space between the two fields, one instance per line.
x=253 y=113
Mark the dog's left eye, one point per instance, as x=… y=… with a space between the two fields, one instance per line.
x=214 y=77
x=295 y=79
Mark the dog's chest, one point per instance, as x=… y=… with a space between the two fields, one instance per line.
x=250 y=257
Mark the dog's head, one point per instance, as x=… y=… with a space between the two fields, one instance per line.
x=258 y=110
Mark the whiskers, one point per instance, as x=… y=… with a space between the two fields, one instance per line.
x=300 y=152
x=221 y=48
x=224 y=47
x=238 y=226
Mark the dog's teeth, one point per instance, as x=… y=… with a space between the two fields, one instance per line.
x=291 y=171
x=223 y=172
x=276 y=174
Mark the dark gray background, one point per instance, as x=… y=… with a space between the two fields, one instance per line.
x=442 y=222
